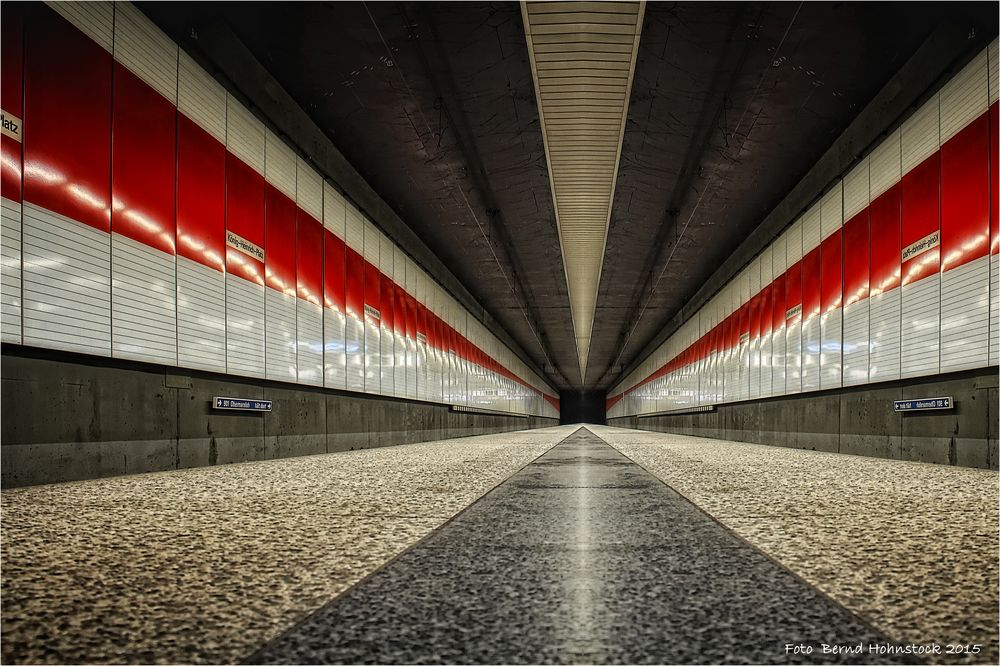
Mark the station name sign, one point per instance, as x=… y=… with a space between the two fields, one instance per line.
x=241 y=404
x=923 y=404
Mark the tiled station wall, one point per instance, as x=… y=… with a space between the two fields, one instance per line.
x=148 y=215
x=886 y=277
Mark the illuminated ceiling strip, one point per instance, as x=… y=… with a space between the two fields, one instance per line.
x=582 y=61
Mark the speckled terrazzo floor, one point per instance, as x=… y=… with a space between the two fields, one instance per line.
x=205 y=565
x=581 y=557
x=910 y=546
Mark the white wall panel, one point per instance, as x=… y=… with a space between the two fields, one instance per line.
x=831 y=367
x=920 y=307
x=831 y=322
x=355 y=326
x=201 y=316
x=920 y=302
x=965 y=97
x=994 y=353
x=334 y=320
x=279 y=164
x=279 y=336
x=831 y=210
x=856 y=344
x=145 y=50
x=94 y=19
x=373 y=348
x=66 y=283
x=724 y=384
x=885 y=329
x=993 y=54
x=201 y=98
x=856 y=188
x=884 y=164
x=766 y=278
x=10 y=271
x=244 y=327
x=387 y=342
x=811 y=228
x=423 y=354
x=753 y=390
x=743 y=341
x=308 y=189
x=884 y=311
x=920 y=135
x=714 y=392
x=309 y=342
x=244 y=134
x=399 y=339
x=412 y=388
x=793 y=331
x=334 y=349
x=143 y=302
x=965 y=294
x=436 y=372
x=811 y=325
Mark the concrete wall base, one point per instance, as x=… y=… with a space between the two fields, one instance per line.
x=860 y=421
x=68 y=417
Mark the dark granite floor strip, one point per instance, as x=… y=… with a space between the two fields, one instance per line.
x=582 y=557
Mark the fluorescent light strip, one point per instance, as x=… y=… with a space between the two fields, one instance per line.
x=583 y=60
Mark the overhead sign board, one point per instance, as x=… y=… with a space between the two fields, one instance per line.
x=242 y=404
x=923 y=404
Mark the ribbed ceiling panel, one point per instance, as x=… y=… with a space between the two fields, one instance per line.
x=582 y=58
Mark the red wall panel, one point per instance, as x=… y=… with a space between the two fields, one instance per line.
x=994 y=180
x=11 y=78
x=388 y=302
x=334 y=266
x=812 y=268
x=421 y=321
x=244 y=220
x=434 y=331
x=373 y=293
x=309 y=257
x=856 y=258
x=793 y=293
x=67 y=120
x=778 y=303
x=766 y=308
x=355 y=281
x=279 y=226
x=831 y=284
x=885 y=241
x=201 y=195
x=743 y=324
x=920 y=229
x=411 y=317
x=965 y=195
x=754 y=316
x=143 y=163
x=399 y=314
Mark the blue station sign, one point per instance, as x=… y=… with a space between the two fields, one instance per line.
x=242 y=404
x=923 y=404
